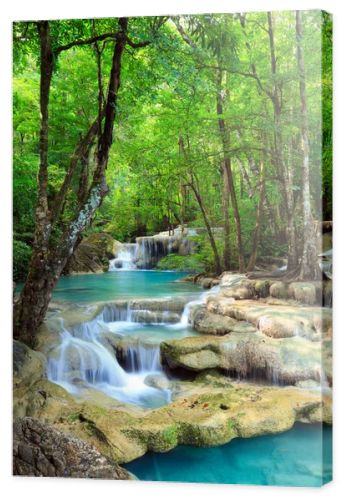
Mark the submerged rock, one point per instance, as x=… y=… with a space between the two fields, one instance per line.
x=41 y=450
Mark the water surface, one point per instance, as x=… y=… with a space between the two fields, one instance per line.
x=292 y=458
x=121 y=285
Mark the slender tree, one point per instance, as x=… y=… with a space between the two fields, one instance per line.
x=51 y=249
x=309 y=264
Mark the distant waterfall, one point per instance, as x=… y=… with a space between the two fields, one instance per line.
x=148 y=250
x=125 y=259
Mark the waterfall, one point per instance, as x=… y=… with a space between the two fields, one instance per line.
x=82 y=361
x=148 y=250
x=143 y=358
x=125 y=259
x=186 y=317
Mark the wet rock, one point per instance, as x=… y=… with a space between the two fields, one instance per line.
x=205 y=412
x=303 y=292
x=157 y=381
x=172 y=305
x=92 y=254
x=146 y=316
x=41 y=450
x=212 y=324
x=248 y=355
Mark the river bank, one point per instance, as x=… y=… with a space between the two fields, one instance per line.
x=169 y=364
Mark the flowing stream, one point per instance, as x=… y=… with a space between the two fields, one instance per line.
x=85 y=357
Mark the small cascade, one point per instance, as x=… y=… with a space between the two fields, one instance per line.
x=125 y=260
x=82 y=360
x=143 y=358
x=150 y=249
x=186 y=317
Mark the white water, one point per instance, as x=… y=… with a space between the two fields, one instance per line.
x=186 y=318
x=84 y=360
x=125 y=260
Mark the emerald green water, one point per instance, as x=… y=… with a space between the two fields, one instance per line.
x=293 y=458
x=121 y=285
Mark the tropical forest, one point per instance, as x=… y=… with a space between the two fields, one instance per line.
x=172 y=248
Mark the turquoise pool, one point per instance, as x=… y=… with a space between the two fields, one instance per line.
x=292 y=458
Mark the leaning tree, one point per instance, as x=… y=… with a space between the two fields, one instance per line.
x=55 y=242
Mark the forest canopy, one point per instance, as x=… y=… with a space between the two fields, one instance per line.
x=213 y=119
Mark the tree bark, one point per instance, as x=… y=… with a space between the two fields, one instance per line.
x=309 y=265
x=45 y=269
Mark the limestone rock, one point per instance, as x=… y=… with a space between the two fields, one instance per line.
x=248 y=355
x=276 y=320
x=157 y=381
x=205 y=412
x=92 y=254
x=41 y=450
x=303 y=292
x=212 y=324
x=279 y=290
x=28 y=365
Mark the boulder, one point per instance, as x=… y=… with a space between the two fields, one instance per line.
x=93 y=254
x=212 y=324
x=40 y=450
x=28 y=365
x=236 y=286
x=275 y=320
x=305 y=293
x=262 y=288
x=109 y=246
x=279 y=290
x=249 y=355
x=157 y=381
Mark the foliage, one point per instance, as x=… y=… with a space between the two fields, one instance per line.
x=167 y=98
x=192 y=263
x=21 y=259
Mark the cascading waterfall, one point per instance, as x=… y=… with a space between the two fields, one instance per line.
x=85 y=360
x=148 y=250
x=82 y=361
x=189 y=308
x=125 y=259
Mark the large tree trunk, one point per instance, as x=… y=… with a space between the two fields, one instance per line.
x=309 y=265
x=46 y=267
